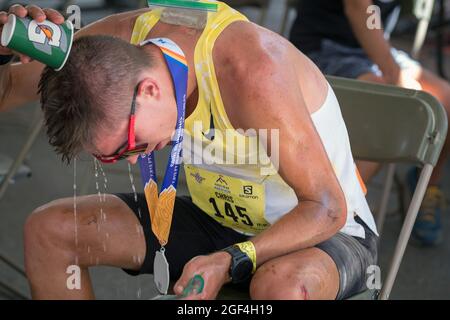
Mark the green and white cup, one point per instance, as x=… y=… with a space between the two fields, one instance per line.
x=46 y=42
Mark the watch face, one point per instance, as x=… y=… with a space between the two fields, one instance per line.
x=242 y=271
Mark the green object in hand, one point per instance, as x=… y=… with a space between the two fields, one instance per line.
x=45 y=41
x=195 y=286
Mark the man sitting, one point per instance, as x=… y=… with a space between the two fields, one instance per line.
x=302 y=225
x=336 y=36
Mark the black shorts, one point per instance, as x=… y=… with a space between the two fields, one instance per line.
x=194 y=233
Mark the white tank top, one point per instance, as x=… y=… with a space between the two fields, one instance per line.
x=333 y=133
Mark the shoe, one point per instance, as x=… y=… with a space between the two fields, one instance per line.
x=427 y=229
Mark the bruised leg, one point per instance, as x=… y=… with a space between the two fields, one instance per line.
x=303 y=275
x=106 y=233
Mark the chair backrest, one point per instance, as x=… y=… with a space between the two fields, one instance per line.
x=391 y=124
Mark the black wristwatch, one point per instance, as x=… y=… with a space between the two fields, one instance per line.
x=5 y=59
x=241 y=265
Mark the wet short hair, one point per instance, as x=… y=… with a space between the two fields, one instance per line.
x=92 y=91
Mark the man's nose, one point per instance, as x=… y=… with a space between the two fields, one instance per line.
x=133 y=159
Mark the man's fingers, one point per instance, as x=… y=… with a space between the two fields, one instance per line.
x=25 y=59
x=18 y=10
x=36 y=13
x=5 y=51
x=3 y=17
x=54 y=16
x=181 y=284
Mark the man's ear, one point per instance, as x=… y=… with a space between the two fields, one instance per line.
x=149 y=89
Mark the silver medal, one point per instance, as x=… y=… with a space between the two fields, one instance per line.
x=161 y=274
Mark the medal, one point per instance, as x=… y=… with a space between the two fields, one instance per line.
x=161 y=206
x=161 y=272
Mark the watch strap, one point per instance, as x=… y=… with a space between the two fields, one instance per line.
x=237 y=257
x=249 y=249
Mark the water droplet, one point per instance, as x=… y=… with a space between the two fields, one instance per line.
x=101 y=196
x=133 y=187
x=75 y=200
x=105 y=182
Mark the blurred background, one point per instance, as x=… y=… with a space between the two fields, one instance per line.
x=42 y=177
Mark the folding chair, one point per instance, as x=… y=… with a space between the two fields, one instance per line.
x=423 y=11
x=392 y=125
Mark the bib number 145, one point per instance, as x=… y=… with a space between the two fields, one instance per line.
x=241 y=217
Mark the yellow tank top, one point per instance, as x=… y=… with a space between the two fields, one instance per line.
x=208 y=87
x=229 y=175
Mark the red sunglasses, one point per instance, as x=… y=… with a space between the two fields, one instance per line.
x=129 y=148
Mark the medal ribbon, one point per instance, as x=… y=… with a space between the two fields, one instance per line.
x=161 y=206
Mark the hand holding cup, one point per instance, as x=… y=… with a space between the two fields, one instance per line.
x=32 y=11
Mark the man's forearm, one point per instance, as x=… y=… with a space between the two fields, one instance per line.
x=372 y=41
x=307 y=225
x=21 y=84
x=5 y=83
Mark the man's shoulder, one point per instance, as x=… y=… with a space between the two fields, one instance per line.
x=243 y=47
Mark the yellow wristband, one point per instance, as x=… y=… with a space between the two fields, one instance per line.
x=249 y=249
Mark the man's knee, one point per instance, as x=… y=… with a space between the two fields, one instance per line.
x=276 y=281
x=48 y=227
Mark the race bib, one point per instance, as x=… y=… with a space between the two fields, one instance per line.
x=233 y=202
